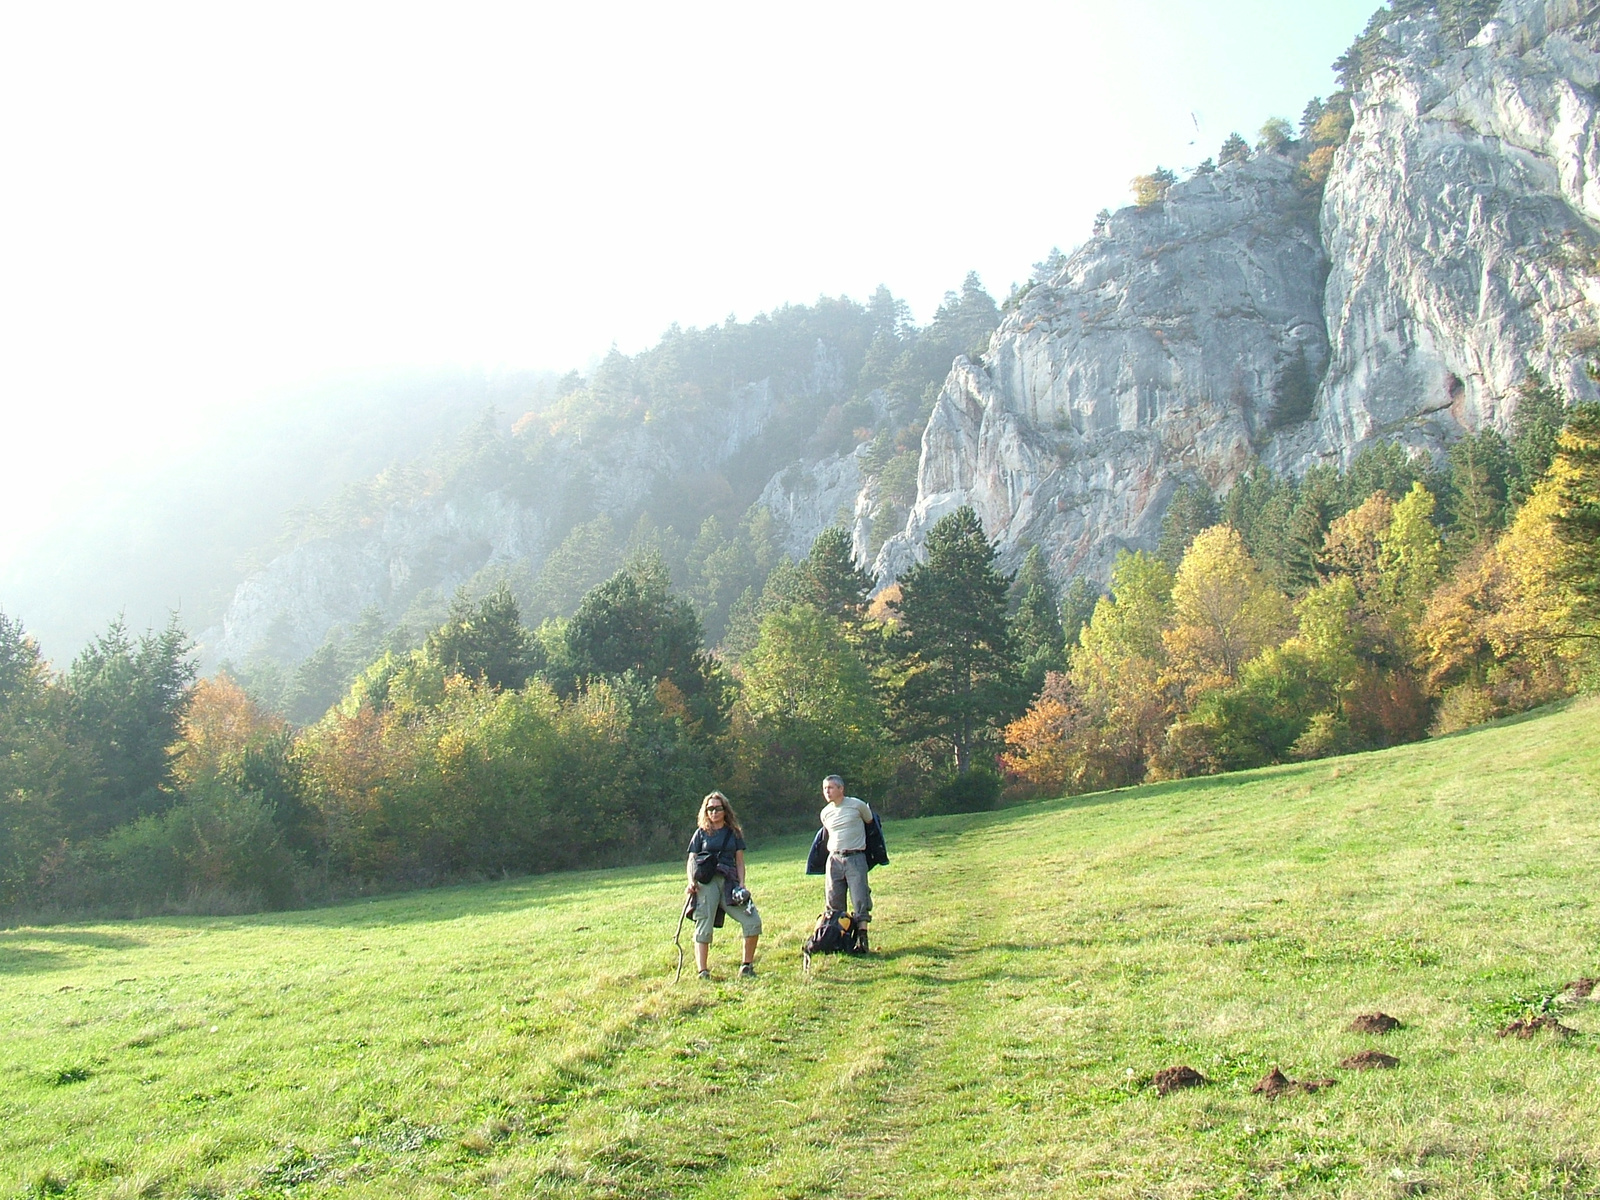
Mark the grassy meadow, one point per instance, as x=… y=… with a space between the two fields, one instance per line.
x=1034 y=969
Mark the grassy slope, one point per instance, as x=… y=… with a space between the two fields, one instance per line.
x=1036 y=967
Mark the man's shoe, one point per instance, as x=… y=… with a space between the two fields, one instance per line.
x=704 y=973
x=748 y=970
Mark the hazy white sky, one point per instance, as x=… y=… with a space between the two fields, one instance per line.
x=204 y=205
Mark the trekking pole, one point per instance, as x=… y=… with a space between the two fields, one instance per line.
x=688 y=907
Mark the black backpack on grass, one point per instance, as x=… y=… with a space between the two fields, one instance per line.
x=834 y=934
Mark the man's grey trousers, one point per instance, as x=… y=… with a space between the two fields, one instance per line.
x=849 y=871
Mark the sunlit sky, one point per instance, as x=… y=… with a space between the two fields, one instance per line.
x=206 y=207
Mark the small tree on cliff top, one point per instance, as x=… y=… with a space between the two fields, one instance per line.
x=1150 y=190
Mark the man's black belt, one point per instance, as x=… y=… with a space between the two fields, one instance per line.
x=845 y=853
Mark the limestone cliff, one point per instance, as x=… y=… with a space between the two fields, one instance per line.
x=1162 y=349
x=1453 y=250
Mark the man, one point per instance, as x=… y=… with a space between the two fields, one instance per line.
x=845 y=820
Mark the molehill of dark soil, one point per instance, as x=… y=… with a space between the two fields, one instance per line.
x=1173 y=1078
x=1370 y=1060
x=1581 y=989
x=1374 y=1022
x=1527 y=1027
x=1276 y=1083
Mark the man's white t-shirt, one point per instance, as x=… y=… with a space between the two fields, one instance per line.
x=846 y=823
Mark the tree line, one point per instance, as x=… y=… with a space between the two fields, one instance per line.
x=129 y=785
x=1290 y=619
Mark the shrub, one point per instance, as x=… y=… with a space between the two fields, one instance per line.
x=1150 y=190
x=974 y=790
x=216 y=851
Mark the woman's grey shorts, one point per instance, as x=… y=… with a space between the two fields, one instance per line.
x=705 y=911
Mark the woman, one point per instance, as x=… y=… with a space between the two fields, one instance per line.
x=720 y=837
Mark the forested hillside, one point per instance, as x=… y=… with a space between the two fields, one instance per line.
x=667 y=451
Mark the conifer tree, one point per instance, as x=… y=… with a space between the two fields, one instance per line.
x=1234 y=150
x=834 y=583
x=1191 y=509
x=956 y=651
x=38 y=767
x=1307 y=528
x=1037 y=622
x=1575 y=474
x=1311 y=114
x=1535 y=426
x=1480 y=465
x=128 y=698
x=633 y=623
x=1076 y=607
x=487 y=641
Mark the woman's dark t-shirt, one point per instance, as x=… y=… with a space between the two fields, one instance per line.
x=724 y=843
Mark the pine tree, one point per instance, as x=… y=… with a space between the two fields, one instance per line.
x=1576 y=476
x=1311 y=114
x=1307 y=528
x=960 y=665
x=38 y=766
x=1076 y=607
x=1480 y=466
x=487 y=641
x=1535 y=426
x=1191 y=509
x=633 y=622
x=1053 y=265
x=1234 y=150
x=128 y=699
x=1381 y=467
x=834 y=583
x=1036 y=622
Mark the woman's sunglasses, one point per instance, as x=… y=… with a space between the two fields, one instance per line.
x=711 y=808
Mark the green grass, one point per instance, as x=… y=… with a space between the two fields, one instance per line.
x=1035 y=967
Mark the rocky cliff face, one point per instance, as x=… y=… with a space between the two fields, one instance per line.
x=286 y=609
x=1164 y=348
x=1454 y=249
x=1460 y=227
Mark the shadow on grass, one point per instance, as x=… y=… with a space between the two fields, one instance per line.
x=30 y=951
x=28 y=961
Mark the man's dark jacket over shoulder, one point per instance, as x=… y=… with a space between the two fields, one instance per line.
x=877 y=852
